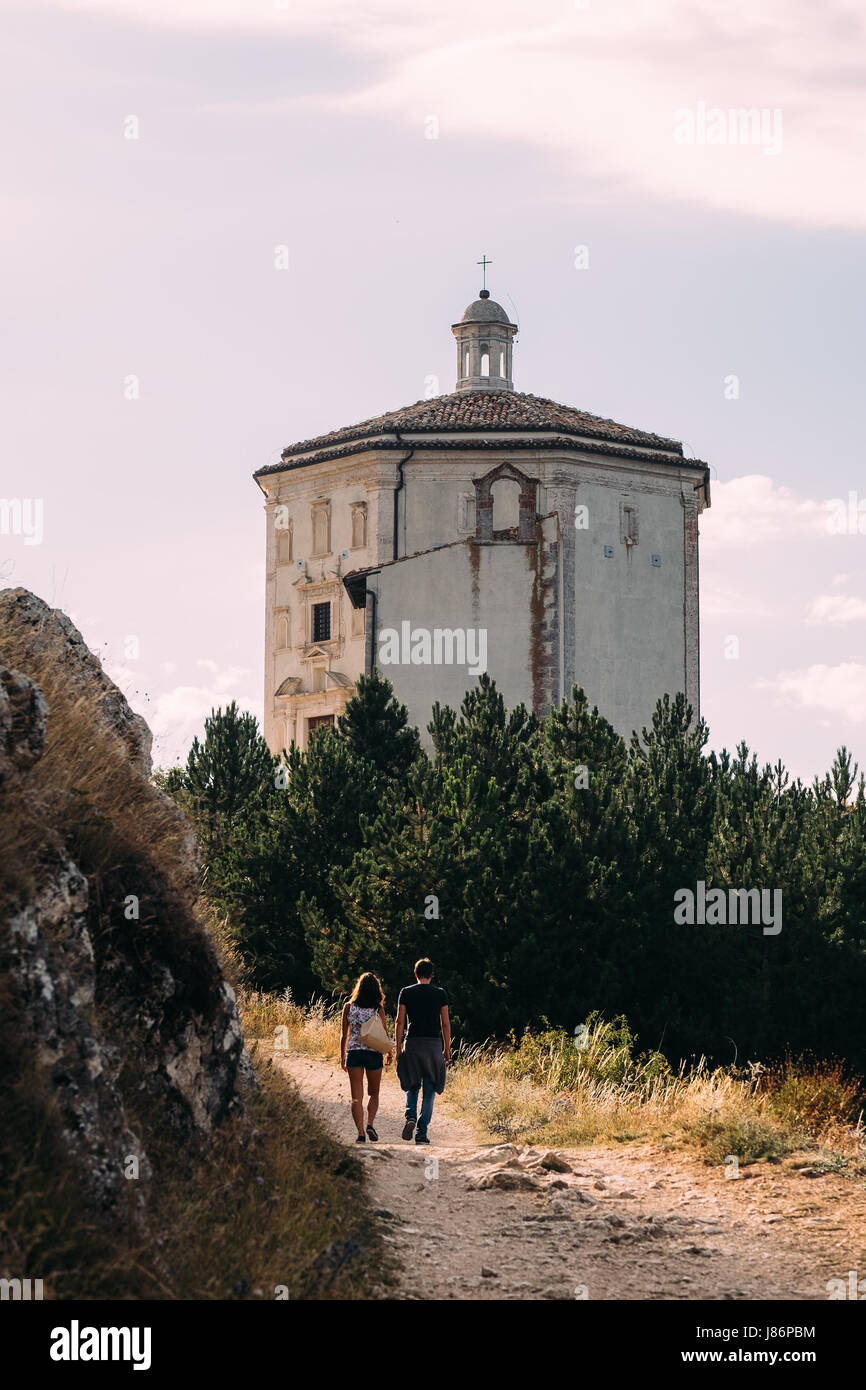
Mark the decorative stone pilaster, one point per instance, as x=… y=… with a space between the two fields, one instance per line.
x=561 y=500
x=691 y=611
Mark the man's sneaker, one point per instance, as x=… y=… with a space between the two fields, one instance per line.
x=408 y=1129
x=421 y=1139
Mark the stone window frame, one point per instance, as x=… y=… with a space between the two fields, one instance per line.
x=359 y=509
x=527 y=507
x=466 y=526
x=316 y=510
x=283 y=623
x=629 y=523
x=321 y=603
x=285 y=543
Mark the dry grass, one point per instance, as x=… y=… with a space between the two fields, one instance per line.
x=544 y=1089
x=83 y=781
x=287 y=1026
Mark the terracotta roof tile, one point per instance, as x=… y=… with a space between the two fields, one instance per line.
x=485 y=410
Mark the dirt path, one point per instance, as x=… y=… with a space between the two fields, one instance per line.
x=630 y=1222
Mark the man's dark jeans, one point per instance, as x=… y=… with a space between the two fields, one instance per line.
x=429 y=1095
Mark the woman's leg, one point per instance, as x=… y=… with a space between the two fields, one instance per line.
x=356 y=1083
x=374 y=1081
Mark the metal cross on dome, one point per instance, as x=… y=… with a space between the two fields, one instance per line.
x=484 y=263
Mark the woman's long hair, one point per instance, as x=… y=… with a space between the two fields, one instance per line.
x=367 y=993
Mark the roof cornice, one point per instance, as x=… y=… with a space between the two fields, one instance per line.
x=543 y=440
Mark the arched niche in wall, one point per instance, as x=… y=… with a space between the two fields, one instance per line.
x=525 y=515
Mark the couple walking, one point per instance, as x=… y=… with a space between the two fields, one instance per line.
x=423 y=1048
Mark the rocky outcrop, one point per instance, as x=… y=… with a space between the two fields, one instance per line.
x=22 y=721
x=50 y=961
x=53 y=639
x=117 y=1017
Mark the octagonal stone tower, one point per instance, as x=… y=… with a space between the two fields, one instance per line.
x=568 y=540
x=484 y=340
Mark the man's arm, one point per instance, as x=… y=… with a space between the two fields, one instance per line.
x=401 y=1024
x=446 y=1032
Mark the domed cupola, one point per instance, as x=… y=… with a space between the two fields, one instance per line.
x=484 y=340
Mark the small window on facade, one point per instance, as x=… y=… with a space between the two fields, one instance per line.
x=485 y=364
x=359 y=525
x=284 y=631
x=502 y=364
x=284 y=546
x=628 y=523
x=319 y=721
x=466 y=363
x=466 y=512
x=321 y=530
x=321 y=622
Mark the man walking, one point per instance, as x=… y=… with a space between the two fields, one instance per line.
x=422 y=1014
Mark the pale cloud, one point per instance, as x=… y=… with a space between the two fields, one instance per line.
x=599 y=88
x=836 y=608
x=175 y=716
x=754 y=511
x=827 y=690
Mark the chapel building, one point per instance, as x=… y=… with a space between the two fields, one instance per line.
x=482 y=530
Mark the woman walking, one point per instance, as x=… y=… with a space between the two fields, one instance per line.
x=365 y=1000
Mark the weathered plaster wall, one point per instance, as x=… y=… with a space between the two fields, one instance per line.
x=508 y=589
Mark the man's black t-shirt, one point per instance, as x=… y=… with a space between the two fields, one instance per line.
x=423 y=1003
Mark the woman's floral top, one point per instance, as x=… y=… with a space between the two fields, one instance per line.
x=357 y=1016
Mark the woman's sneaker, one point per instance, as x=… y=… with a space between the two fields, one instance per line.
x=408 y=1129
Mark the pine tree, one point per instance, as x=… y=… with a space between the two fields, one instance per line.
x=225 y=772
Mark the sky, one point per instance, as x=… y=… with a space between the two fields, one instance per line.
x=229 y=226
